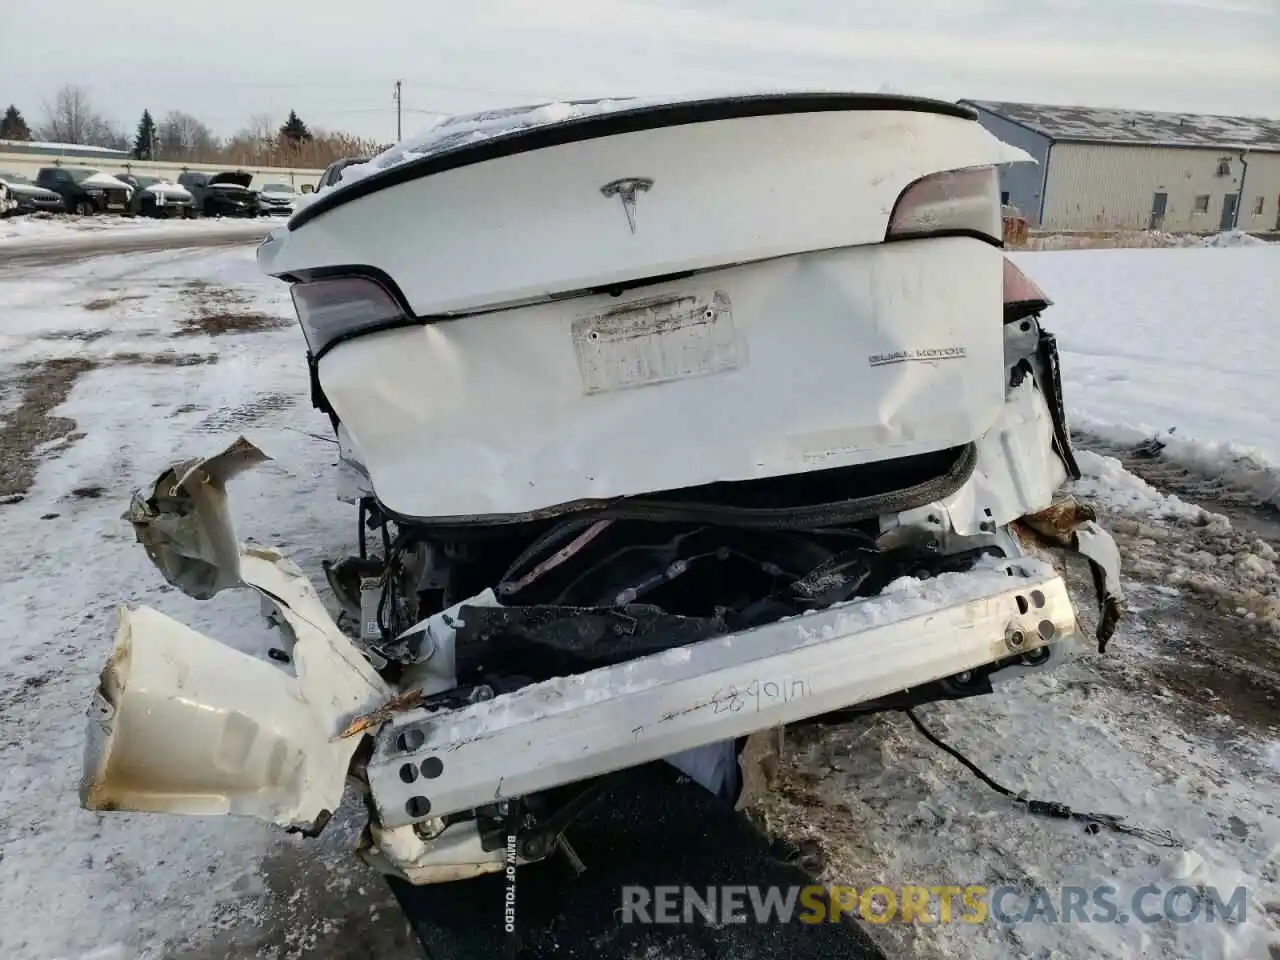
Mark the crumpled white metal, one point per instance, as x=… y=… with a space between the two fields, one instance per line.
x=183 y=723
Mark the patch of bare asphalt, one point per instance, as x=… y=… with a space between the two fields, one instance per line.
x=216 y=309
x=105 y=303
x=83 y=336
x=167 y=359
x=1210 y=656
x=315 y=900
x=42 y=387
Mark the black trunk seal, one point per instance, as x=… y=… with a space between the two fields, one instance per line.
x=809 y=516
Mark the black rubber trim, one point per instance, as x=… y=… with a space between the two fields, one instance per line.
x=633 y=120
x=1049 y=357
x=854 y=510
x=1015 y=310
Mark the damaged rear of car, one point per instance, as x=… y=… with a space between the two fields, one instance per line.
x=652 y=451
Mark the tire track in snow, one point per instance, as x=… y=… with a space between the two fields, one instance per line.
x=1245 y=508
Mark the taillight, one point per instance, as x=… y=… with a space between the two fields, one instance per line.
x=954 y=201
x=340 y=307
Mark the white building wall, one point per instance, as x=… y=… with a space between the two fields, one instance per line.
x=28 y=164
x=1106 y=187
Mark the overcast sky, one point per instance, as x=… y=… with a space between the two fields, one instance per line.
x=335 y=61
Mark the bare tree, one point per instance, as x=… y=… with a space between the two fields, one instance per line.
x=71 y=118
x=181 y=136
x=253 y=143
x=262 y=127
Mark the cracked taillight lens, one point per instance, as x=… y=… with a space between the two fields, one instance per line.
x=954 y=202
x=338 y=308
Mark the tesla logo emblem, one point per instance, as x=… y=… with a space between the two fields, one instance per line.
x=626 y=190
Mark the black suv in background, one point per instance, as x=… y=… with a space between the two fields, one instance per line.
x=222 y=194
x=84 y=190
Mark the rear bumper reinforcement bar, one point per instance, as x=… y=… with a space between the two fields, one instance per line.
x=569 y=729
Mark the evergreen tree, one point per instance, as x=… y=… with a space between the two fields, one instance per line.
x=13 y=126
x=294 y=130
x=144 y=141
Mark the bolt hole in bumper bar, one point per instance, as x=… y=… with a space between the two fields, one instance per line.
x=570 y=729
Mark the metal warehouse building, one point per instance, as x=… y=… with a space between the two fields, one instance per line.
x=1100 y=169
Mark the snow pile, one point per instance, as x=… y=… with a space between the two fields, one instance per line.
x=1107 y=481
x=1181 y=545
x=166 y=188
x=1231 y=570
x=1233 y=238
x=1239 y=467
x=1137 y=239
x=100 y=179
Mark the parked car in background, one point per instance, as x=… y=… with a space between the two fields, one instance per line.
x=333 y=172
x=18 y=194
x=159 y=197
x=222 y=194
x=86 y=191
x=277 y=198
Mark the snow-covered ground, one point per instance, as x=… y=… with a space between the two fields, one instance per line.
x=111 y=367
x=150 y=382
x=49 y=229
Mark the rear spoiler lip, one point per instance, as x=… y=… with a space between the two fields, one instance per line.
x=647 y=117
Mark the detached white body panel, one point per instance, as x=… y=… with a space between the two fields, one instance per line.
x=183 y=723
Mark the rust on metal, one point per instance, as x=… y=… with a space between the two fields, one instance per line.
x=375 y=718
x=1059 y=521
x=557 y=558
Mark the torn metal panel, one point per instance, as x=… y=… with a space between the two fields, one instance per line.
x=1103 y=555
x=1057 y=523
x=1016 y=472
x=184 y=523
x=185 y=724
x=1073 y=525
